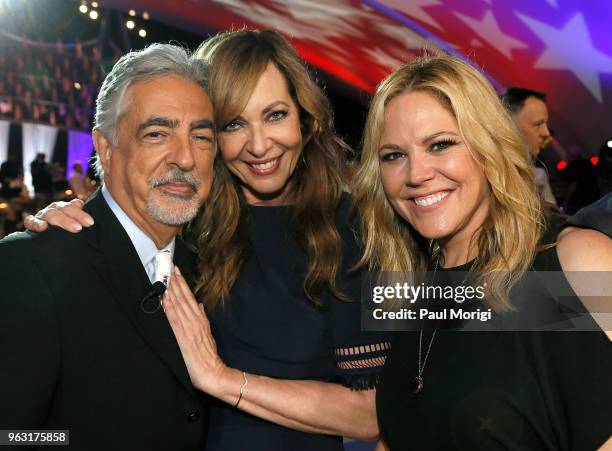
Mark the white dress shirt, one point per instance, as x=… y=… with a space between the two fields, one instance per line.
x=144 y=245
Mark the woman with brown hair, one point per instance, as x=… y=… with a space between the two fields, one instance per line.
x=275 y=247
x=283 y=353
x=446 y=185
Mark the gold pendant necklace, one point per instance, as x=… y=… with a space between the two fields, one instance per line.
x=419 y=379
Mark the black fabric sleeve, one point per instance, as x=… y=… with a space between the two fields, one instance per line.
x=29 y=341
x=360 y=355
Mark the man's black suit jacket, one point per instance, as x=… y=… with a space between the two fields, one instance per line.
x=77 y=351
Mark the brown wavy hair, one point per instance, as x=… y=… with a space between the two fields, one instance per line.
x=507 y=241
x=237 y=59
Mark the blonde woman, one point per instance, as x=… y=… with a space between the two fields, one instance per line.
x=443 y=167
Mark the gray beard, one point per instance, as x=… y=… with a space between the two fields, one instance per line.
x=179 y=210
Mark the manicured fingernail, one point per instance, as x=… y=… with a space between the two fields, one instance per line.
x=78 y=228
x=89 y=221
x=178 y=271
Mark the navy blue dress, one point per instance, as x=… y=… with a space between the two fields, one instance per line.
x=268 y=327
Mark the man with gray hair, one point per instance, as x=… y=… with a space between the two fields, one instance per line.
x=84 y=345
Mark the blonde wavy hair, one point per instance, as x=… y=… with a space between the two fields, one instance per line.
x=507 y=241
x=236 y=60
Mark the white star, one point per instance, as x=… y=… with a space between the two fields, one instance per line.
x=310 y=11
x=570 y=48
x=269 y=18
x=230 y=3
x=342 y=49
x=339 y=19
x=488 y=29
x=414 y=8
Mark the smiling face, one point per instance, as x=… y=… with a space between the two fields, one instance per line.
x=428 y=173
x=263 y=144
x=160 y=171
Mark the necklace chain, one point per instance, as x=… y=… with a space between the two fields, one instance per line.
x=421 y=366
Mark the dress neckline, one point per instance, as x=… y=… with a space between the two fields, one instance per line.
x=464 y=267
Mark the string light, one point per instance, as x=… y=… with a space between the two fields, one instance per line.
x=132 y=12
x=130 y=24
x=142 y=32
x=83 y=8
x=94 y=4
x=93 y=14
x=145 y=15
x=609 y=144
x=77 y=85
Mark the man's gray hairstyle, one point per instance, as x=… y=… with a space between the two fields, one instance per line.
x=157 y=60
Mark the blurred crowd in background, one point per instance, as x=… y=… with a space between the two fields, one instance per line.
x=57 y=84
x=49 y=85
x=49 y=184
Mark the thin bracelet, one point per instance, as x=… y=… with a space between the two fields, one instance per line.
x=242 y=387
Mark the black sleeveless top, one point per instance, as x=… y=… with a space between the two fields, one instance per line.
x=499 y=390
x=269 y=327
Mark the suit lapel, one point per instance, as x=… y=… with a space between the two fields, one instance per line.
x=130 y=284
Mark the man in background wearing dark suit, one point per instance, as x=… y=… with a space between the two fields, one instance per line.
x=530 y=113
x=77 y=349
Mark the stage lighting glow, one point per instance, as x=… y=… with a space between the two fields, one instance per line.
x=3 y=205
x=145 y=15
x=130 y=24
x=93 y=14
x=83 y=8
x=594 y=160
x=77 y=85
x=561 y=165
x=132 y=12
x=94 y=4
x=142 y=32
x=609 y=144
x=68 y=192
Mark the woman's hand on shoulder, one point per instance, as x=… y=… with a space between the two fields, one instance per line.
x=66 y=215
